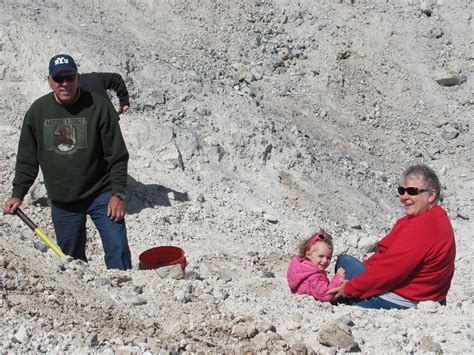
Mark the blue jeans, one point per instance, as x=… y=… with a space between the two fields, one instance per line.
x=70 y=227
x=354 y=268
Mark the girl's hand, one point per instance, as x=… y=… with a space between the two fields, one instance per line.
x=341 y=272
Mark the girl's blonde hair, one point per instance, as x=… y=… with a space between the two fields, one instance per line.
x=321 y=236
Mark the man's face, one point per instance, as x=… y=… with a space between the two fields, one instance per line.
x=65 y=86
x=415 y=205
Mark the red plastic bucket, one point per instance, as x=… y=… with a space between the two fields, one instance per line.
x=162 y=256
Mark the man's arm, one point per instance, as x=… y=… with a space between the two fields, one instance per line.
x=27 y=165
x=115 y=82
x=116 y=155
x=26 y=168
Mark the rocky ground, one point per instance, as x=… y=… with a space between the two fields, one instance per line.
x=252 y=124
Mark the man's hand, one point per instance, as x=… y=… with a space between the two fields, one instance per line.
x=116 y=209
x=123 y=109
x=338 y=291
x=11 y=205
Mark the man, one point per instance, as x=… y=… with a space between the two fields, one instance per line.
x=75 y=138
x=99 y=83
x=415 y=261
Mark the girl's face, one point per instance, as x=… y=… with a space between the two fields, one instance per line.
x=320 y=255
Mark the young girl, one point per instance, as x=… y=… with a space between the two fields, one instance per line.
x=307 y=271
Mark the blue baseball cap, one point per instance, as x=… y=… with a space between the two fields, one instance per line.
x=61 y=62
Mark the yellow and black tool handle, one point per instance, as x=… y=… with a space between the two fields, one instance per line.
x=38 y=232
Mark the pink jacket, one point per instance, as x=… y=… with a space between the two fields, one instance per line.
x=305 y=279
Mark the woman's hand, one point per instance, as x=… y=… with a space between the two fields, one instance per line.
x=338 y=291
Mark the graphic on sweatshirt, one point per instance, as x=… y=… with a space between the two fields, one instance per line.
x=64 y=138
x=65 y=135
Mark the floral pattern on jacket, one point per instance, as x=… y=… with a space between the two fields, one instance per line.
x=304 y=278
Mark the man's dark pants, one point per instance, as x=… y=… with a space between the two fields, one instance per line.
x=70 y=227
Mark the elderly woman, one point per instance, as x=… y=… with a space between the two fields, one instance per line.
x=415 y=261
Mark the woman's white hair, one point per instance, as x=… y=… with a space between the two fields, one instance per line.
x=430 y=178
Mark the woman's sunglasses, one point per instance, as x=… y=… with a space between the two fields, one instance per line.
x=412 y=191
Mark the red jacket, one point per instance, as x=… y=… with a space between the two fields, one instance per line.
x=304 y=278
x=415 y=260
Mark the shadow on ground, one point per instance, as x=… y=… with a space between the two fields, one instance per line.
x=140 y=196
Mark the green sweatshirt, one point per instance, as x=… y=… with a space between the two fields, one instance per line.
x=79 y=148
